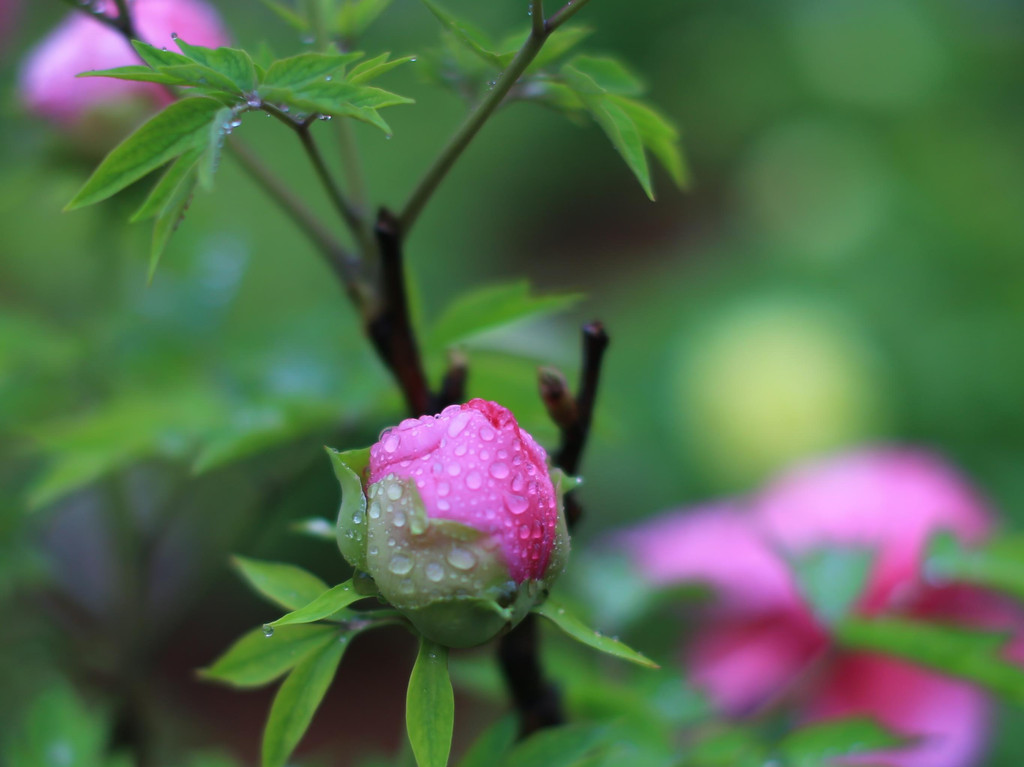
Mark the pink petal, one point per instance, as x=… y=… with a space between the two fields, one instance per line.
x=891 y=500
x=950 y=717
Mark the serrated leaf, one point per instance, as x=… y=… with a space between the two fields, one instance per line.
x=200 y=76
x=818 y=745
x=609 y=74
x=286 y=585
x=178 y=128
x=169 y=217
x=493 y=744
x=966 y=653
x=334 y=599
x=305 y=68
x=297 y=701
x=256 y=659
x=287 y=15
x=232 y=63
x=354 y=16
x=339 y=100
x=220 y=129
x=159 y=57
x=832 y=579
x=430 y=706
x=625 y=137
x=164 y=189
x=374 y=68
x=137 y=73
x=468 y=35
x=659 y=135
x=997 y=565
x=490 y=307
x=576 y=629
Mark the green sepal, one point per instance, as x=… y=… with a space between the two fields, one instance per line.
x=559 y=557
x=350 y=469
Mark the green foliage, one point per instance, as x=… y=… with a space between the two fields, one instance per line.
x=257 y=659
x=60 y=730
x=297 y=700
x=832 y=579
x=331 y=601
x=283 y=584
x=570 y=744
x=970 y=654
x=819 y=745
x=575 y=628
x=998 y=564
x=491 y=307
x=492 y=744
x=430 y=706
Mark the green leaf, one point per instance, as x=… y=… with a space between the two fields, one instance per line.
x=730 y=746
x=609 y=74
x=492 y=745
x=575 y=628
x=178 y=128
x=200 y=76
x=430 y=706
x=137 y=73
x=169 y=217
x=57 y=729
x=558 y=45
x=287 y=15
x=164 y=189
x=334 y=599
x=832 y=579
x=468 y=35
x=659 y=135
x=159 y=57
x=354 y=16
x=997 y=565
x=966 y=653
x=373 y=68
x=339 y=99
x=817 y=745
x=297 y=701
x=490 y=307
x=305 y=68
x=220 y=128
x=557 y=746
x=625 y=137
x=286 y=585
x=232 y=63
x=256 y=659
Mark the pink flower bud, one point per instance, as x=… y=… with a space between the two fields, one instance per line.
x=80 y=43
x=456 y=521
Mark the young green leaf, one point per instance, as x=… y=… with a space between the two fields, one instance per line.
x=138 y=73
x=256 y=659
x=430 y=706
x=659 y=136
x=328 y=603
x=966 y=653
x=297 y=700
x=232 y=63
x=338 y=100
x=468 y=35
x=625 y=137
x=832 y=579
x=611 y=75
x=178 y=128
x=818 y=745
x=373 y=68
x=220 y=128
x=997 y=565
x=568 y=744
x=354 y=16
x=491 y=307
x=159 y=57
x=169 y=217
x=164 y=189
x=296 y=71
x=202 y=77
x=287 y=15
x=286 y=585
x=575 y=628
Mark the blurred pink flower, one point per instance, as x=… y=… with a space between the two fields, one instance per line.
x=761 y=642
x=79 y=44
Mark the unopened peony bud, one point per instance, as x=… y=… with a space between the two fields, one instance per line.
x=48 y=83
x=456 y=519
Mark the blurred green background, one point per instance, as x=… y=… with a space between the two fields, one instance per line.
x=846 y=268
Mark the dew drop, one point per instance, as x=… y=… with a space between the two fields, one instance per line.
x=435 y=572
x=268 y=630
x=486 y=433
x=400 y=565
x=474 y=480
x=461 y=559
x=454 y=470
x=391 y=443
x=398 y=519
x=357 y=518
x=443 y=505
x=458 y=423
x=443 y=488
x=518 y=483
x=499 y=470
x=517 y=504
x=524 y=532
x=372 y=551
x=394 y=492
x=374 y=511
x=460 y=449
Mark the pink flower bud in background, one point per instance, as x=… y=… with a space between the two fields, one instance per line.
x=456 y=520
x=48 y=84
x=760 y=635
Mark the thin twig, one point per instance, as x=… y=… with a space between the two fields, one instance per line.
x=453 y=385
x=574 y=435
x=564 y=13
x=537 y=16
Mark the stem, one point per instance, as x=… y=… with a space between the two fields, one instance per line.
x=537 y=701
x=391 y=329
x=344 y=263
x=121 y=23
x=566 y=12
x=537 y=16
x=458 y=143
